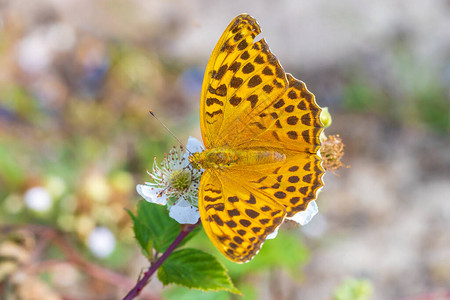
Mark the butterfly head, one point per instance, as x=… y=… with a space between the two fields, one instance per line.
x=195 y=160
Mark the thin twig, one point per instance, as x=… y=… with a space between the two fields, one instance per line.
x=185 y=230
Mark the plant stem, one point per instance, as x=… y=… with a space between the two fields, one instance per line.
x=134 y=292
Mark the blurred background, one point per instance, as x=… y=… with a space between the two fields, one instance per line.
x=77 y=78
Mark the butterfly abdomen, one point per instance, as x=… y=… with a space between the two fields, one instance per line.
x=221 y=158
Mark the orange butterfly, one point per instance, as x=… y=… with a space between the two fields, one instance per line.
x=261 y=131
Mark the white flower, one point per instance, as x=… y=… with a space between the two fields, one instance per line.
x=302 y=217
x=38 y=199
x=101 y=242
x=175 y=184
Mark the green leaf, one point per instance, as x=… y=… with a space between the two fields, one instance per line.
x=163 y=228
x=249 y=290
x=181 y=293
x=153 y=227
x=193 y=268
x=142 y=235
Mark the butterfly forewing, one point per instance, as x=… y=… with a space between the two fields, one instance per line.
x=289 y=123
x=240 y=76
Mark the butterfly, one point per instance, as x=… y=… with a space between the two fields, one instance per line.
x=261 y=128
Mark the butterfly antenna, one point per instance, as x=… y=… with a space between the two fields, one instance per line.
x=167 y=128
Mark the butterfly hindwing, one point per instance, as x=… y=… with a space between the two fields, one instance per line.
x=233 y=219
x=239 y=207
x=292 y=183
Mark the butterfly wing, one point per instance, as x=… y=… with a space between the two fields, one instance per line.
x=226 y=215
x=233 y=71
x=240 y=207
x=248 y=101
x=289 y=124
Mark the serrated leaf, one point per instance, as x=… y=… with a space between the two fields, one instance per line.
x=193 y=268
x=153 y=225
x=142 y=235
x=163 y=228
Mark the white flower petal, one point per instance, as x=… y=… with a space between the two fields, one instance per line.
x=184 y=213
x=193 y=145
x=302 y=218
x=151 y=194
x=305 y=216
x=273 y=234
x=183 y=203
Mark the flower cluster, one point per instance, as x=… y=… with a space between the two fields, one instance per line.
x=175 y=184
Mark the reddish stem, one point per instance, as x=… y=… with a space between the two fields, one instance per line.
x=185 y=230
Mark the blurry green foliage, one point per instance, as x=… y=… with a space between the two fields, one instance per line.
x=354 y=289
x=12 y=174
x=18 y=101
x=359 y=95
x=410 y=92
x=433 y=108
